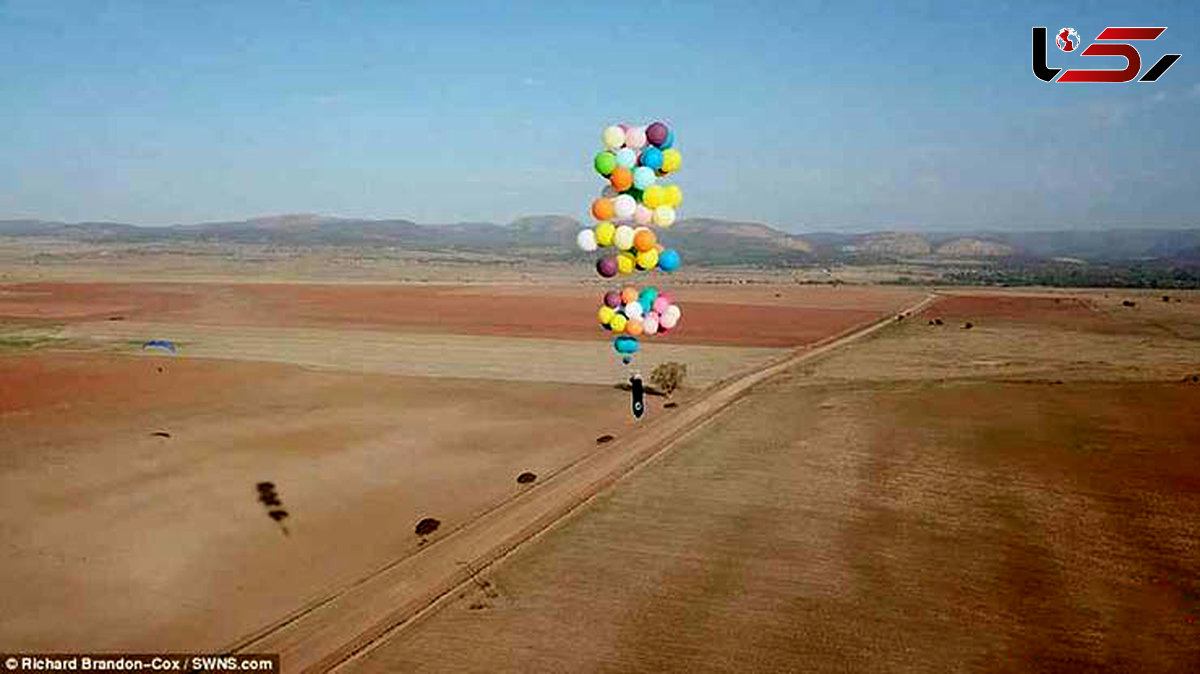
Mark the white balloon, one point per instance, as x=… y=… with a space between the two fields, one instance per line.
x=625 y=206
x=674 y=311
x=626 y=157
x=614 y=137
x=586 y=239
x=664 y=216
x=633 y=309
x=650 y=323
x=623 y=238
x=643 y=215
x=668 y=320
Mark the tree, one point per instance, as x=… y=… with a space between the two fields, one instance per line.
x=668 y=376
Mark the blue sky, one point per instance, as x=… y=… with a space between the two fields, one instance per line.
x=808 y=116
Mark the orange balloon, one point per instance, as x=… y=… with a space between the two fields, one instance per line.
x=603 y=209
x=621 y=179
x=644 y=240
x=629 y=294
x=634 y=326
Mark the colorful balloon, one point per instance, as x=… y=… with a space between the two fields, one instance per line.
x=650 y=323
x=608 y=266
x=656 y=133
x=623 y=239
x=643 y=177
x=666 y=320
x=644 y=239
x=664 y=216
x=605 y=315
x=634 y=326
x=623 y=206
x=586 y=239
x=651 y=158
x=661 y=303
x=605 y=231
x=612 y=299
x=647 y=259
x=646 y=298
x=604 y=162
x=621 y=179
x=618 y=323
x=635 y=137
x=673 y=195
x=625 y=344
x=614 y=137
x=628 y=294
x=669 y=141
x=654 y=196
x=626 y=263
x=602 y=209
x=669 y=260
x=626 y=157
x=672 y=160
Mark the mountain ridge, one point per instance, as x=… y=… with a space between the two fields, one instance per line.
x=702 y=239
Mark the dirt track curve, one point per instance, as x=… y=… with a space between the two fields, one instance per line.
x=351 y=619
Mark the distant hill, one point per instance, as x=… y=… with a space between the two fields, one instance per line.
x=971 y=247
x=701 y=240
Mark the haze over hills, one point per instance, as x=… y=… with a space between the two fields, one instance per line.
x=707 y=240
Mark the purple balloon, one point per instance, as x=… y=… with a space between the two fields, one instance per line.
x=656 y=133
x=607 y=267
x=612 y=298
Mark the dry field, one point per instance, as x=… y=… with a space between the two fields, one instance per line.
x=368 y=405
x=1022 y=495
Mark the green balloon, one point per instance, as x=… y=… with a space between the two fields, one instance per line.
x=605 y=162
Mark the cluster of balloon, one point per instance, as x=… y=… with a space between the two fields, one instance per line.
x=633 y=202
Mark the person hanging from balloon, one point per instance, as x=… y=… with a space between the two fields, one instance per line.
x=631 y=204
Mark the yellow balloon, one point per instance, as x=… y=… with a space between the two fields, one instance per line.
x=674 y=196
x=604 y=233
x=606 y=315
x=671 y=160
x=618 y=323
x=625 y=263
x=648 y=259
x=654 y=196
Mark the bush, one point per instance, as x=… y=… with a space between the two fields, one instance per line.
x=668 y=377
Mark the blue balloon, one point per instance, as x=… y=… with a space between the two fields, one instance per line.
x=652 y=157
x=669 y=260
x=669 y=141
x=625 y=344
x=643 y=177
x=647 y=297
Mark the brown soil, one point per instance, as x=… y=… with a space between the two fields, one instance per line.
x=106 y=523
x=802 y=316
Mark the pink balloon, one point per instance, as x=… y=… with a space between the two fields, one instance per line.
x=661 y=303
x=650 y=323
x=635 y=137
x=643 y=215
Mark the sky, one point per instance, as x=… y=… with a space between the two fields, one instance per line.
x=809 y=116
